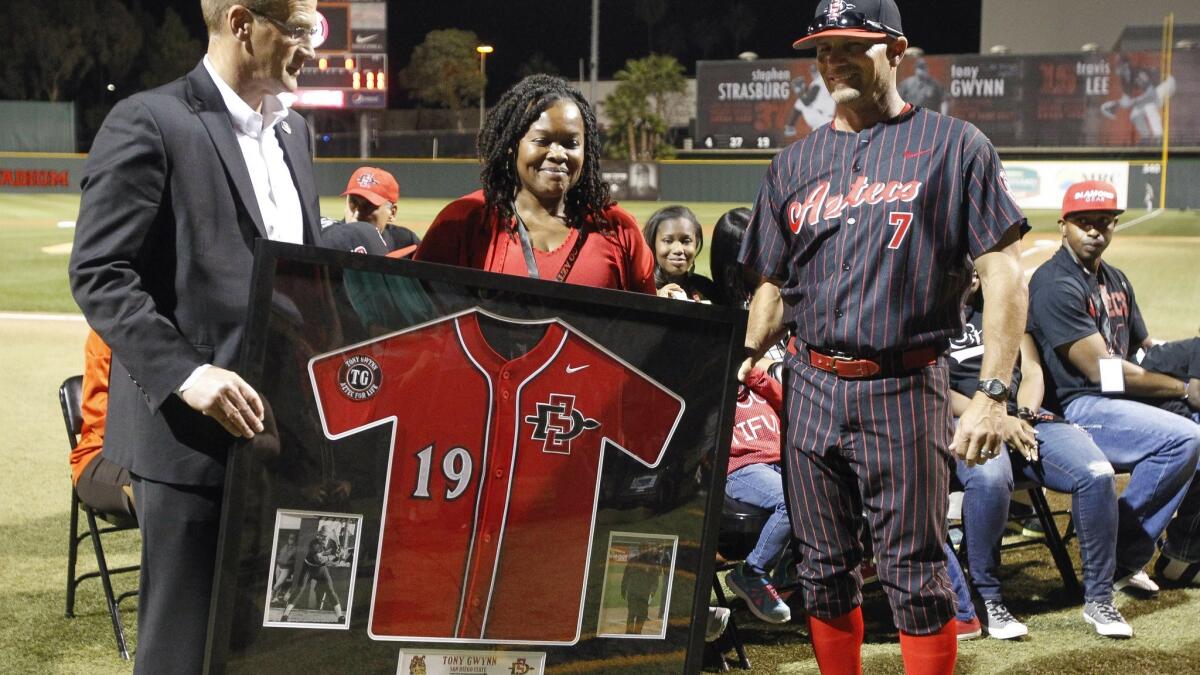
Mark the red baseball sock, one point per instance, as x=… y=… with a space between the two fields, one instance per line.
x=837 y=643
x=932 y=654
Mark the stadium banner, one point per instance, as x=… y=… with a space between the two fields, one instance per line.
x=1041 y=184
x=471 y=470
x=631 y=180
x=1079 y=100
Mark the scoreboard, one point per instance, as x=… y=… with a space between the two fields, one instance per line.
x=351 y=69
x=758 y=105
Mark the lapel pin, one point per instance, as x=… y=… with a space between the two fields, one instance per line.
x=287 y=128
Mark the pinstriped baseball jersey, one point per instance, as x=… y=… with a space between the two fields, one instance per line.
x=870 y=231
x=491 y=490
x=869 y=234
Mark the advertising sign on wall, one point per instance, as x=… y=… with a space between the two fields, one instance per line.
x=1059 y=100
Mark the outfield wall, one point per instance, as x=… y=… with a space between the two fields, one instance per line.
x=1037 y=183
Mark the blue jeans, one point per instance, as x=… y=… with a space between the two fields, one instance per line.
x=762 y=485
x=964 y=611
x=1161 y=449
x=1068 y=461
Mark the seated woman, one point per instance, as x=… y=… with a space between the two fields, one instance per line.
x=675 y=236
x=544 y=210
x=100 y=484
x=755 y=475
x=1064 y=459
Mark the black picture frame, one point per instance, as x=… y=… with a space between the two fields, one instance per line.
x=307 y=302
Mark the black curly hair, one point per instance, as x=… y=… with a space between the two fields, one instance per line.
x=508 y=122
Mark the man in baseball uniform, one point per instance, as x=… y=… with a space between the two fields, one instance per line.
x=862 y=233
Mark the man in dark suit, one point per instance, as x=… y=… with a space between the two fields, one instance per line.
x=180 y=182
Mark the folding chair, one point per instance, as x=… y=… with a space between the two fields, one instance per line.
x=741 y=524
x=70 y=397
x=1054 y=540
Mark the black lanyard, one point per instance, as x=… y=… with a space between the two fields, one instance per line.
x=527 y=250
x=1104 y=324
x=1107 y=332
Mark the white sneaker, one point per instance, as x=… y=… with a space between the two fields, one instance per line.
x=1001 y=624
x=1138 y=582
x=1177 y=571
x=1107 y=620
x=718 y=619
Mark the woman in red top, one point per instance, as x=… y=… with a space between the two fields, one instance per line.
x=544 y=210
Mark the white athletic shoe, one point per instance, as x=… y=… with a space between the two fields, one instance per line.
x=1177 y=571
x=1001 y=624
x=718 y=619
x=1138 y=582
x=1107 y=620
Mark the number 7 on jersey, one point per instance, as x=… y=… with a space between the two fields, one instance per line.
x=899 y=220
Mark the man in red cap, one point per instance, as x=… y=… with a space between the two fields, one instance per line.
x=371 y=197
x=862 y=234
x=1088 y=327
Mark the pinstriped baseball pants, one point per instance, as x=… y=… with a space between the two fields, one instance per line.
x=871 y=453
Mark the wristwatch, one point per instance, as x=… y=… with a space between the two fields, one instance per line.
x=994 y=389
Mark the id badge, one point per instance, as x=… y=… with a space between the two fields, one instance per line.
x=1112 y=376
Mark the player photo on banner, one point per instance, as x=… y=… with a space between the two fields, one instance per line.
x=638 y=573
x=312 y=573
x=528 y=458
x=631 y=180
x=1086 y=99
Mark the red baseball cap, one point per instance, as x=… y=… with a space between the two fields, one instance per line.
x=1090 y=195
x=877 y=19
x=374 y=185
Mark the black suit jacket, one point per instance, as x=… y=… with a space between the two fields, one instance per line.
x=162 y=261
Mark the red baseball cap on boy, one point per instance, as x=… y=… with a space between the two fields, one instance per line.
x=374 y=185
x=1090 y=195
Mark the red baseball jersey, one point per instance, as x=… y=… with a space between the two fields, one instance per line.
x=492 y=484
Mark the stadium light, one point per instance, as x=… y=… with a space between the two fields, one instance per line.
x=483 y=51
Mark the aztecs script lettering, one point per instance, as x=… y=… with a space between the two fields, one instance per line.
x=820 y=205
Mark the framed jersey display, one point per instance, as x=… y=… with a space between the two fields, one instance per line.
x=461 y=468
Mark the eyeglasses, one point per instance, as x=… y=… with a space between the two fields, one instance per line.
x=295 y=33
x=849 y=20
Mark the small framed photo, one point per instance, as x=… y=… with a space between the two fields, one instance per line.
x=638 y=573
x=313 y=564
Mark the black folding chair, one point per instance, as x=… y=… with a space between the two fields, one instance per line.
x=70 y=397
x=741 y=524
x=1054 y=540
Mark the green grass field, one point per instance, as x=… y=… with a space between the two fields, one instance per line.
x=1157 y=254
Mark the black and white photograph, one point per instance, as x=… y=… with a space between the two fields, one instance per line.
x=312 y=570
x=639 y=569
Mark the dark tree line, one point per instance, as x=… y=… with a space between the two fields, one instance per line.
x=91 y=52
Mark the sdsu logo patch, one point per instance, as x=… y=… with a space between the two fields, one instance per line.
x=358 y=378
x=557 y=423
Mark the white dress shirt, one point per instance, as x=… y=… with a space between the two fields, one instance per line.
x=274 y=188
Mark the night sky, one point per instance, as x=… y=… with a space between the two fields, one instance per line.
x=561 y=30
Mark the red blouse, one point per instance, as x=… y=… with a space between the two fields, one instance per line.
x=465 y=233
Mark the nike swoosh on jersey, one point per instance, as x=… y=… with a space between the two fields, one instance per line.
x=908 y=154
x=576 y=369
